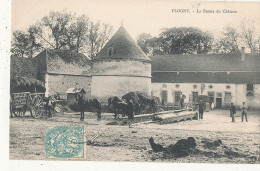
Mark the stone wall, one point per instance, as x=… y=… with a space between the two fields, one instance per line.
x=61 y=83
x=121 y=67
x=104 y=87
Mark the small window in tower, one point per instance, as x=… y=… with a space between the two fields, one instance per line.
x=111 y=51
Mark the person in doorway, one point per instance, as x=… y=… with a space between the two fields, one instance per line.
x=81 y=105
x=130 y=112
x=182 y=97
x=212 y=106
x=244 y=111
x=201 y=109
x=232 y=112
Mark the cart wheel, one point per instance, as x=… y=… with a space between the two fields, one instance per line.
x=37 y=108
x=16 y=112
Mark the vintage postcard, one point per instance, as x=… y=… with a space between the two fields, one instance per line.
x=138 y=81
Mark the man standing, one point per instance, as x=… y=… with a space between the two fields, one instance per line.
x=232 y=112
x=201 y=109
x=212 y=106
x=130 y=112
x=81 y=106
x=244 y=111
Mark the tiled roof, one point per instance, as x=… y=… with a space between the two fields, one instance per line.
x=206 y=77
x=123 y=47
x=208 y=62
x=63 y=62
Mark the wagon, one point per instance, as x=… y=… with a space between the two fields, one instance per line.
x=21 y=102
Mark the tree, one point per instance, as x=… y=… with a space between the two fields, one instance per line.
x=20 y=44
x=229 y=42
x=250 y=36
x=99 y=34
x=77 y=33
x=181 y=40
x=35 y=44
x=185 y=40
x=142 y=42
x=58 y=23
x=105 y=34
x=93 y=38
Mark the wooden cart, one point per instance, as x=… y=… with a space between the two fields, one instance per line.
x=24 y=101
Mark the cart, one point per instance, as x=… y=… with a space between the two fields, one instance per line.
x=21 y=102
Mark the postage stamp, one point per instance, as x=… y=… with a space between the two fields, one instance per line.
x=64 y=142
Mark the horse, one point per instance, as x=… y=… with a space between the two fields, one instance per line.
x=89 y=104
x=117 y=104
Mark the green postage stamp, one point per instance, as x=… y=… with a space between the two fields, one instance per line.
x=64 y=142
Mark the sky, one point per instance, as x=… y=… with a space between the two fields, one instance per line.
x=140 y=16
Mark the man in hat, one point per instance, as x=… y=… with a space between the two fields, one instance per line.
x=232 y=112
x=244 y=111
x=130 y=112
x=81 y=105
x=201 y=109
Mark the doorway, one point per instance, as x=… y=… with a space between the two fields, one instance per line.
x=218 y=102
x=164 y=97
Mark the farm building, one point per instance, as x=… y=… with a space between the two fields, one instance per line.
x=63 y=69
x=121 y=67
x=223 y=78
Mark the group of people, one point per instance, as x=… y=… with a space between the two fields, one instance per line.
x=232 y=110
x=243 y=108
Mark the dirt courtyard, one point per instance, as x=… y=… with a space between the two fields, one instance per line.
x=240 y=140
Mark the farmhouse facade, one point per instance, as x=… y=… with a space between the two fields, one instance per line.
x=121 y=67
x=224 y=78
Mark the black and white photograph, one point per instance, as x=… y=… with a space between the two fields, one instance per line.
x=134 y=81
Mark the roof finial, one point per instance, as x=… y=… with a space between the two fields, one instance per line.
x=122 y=22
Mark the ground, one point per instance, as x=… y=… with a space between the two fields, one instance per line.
x=240 y=140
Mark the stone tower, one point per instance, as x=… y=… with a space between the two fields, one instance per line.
x=120 y=67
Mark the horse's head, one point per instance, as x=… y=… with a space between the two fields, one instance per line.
x=109 y=101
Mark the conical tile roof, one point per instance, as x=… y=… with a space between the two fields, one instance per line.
x=121 y=46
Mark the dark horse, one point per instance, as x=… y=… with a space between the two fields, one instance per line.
x=89 y=104
x=118 y=105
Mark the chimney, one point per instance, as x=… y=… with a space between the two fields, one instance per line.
x=242 y=53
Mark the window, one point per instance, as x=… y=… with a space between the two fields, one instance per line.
x=249 y=94
x=195 y=96
x=164 y=86
x=195 y=86
x=211 y=95
x=219 y=94
x=177 y=85
x=228 y=98
x=249 y=87
x=177 y=97
x=111 y=51
x=164 y=97
x=210 y=86
x=228 y=87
